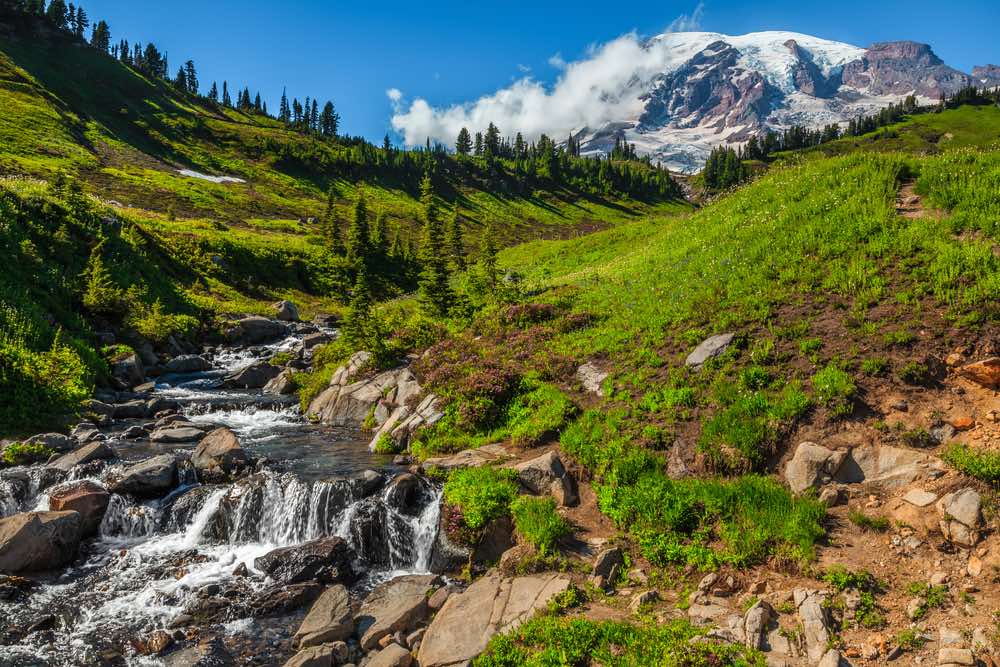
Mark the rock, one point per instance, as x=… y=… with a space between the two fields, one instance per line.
x=128 y=371
x=277 y=600
x=85 y=432
x=95 y=451
x=326 y=560
x=492 y=604
x=470 y=458
x=985 y=373
x=981 y=639
x=709 y=349
x=755 y=623
x=393 y=655
x=915 y=608
x=188 y=363
x=975 y=566
x=405 y=493
x=255 y=330
x=606 y=561
x=87 y=498
x=329 y=619
x=349 y=402
x=955 y=656
x=54 y=441
x=131 y=410
x=707 y=582
x=437 y=600
x=314 y=340
x=314 y=656
x=177 y=435
x=149 y=479
x=34 y=541
x=254 y=376
x=539 y=474
x=919 y=497
x=949 y=637
x=134 y=433
x=885 y=468
x=398 y=604
x=219 y=455
x=592 y=378
x=830 y=496
x=156 y=642
x=938 y=579
x=643 y=598
x=961 y=516
x=286 y=311
x=812 y=466
x=830 y=659
x=815 y=625
x=962 y=423
x=281 y=385
x=942 y=433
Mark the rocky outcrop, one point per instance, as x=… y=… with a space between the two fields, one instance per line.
x=403 y=422
x=812 y=466
x=985 y=372
x=87 y=498
x=811 y=606
x=878 y=467
x=188 y=363
x=398 y=605
x=286 y=311
x=546 y=474
x=93 y=451
x=281 y=385
x=149 y=479
x=492 y=604
x=57 y=442
x=709 y=349
x=986 y=75
x=128 y=371
x=35 y=541
x=592 y=378
x=329 y=619
x=254 y=376
x=902 y=68
x=470 y=458
x=326 y=560
x=255 y=330
x=219 y=456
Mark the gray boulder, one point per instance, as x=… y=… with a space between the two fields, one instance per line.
x=148 y=479
x=326 y=560
x=397 y=605
x=54 y=441
x=219 y=455
x=136 y=409
x=392 y=655
x=34 y=541
x=961 y=516
x=286 y=311
x=329 y=619
x=128 y=371
x=281 y=385
x=94 y=451
x=177 y=434
x=188 y=363
x=812 y=466
x=255 y=330
x=254 y=376
x=709 y=349
x=540 y=474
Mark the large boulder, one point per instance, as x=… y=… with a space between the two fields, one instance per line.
x=93 y=451
x=491 y=605
x=470 y=458
x=137 y=409
x=392 y=655
x=188 y=363
x=87 y=498
x=961 y=516
x=885 y=468
x=282 y=384
x=286 y=311
x=402 y=421
x=812 y=466
x=347 y=402
x=255 y=330
x=219 y=455
x=540 y=474
x=985 y=372
x=329 y=619
x=34 y=541
x=175 y=434
x=811 y=606
x=254 y=376
x=148 y=479
x=128 y=371
x=57 y=442
x=709 y=349
x=326 y=560
x=397 y=605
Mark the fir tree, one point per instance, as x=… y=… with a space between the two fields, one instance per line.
x=227 y=101
x=192 y=77
x=435 y=292
x=81 y=23
x=329 y=121
x=100 y=39
x=488 y=259
x=57 y=14
x=456 y=248
x=181 y=80
x=284 y=112
x=357 y=319
x=213 y=93
x=358 y=234
x=331 y=225
x=379 y=240
x=463 y=145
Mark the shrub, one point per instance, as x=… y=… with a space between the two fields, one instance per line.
x=835 y=389
x=874 y=524
x=875 y=366
x=482 y=494
x=538 y=413
x=841 y=579
x=914 y=373
x=22 y=454
x=537 y=520
x=39 y=386
x=386 y=445
x=982 y=465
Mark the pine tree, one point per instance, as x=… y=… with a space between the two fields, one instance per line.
x=463 y=145
x=181 y=80
x=488 y=259
x=284 y=112
x=331 y=225
x=257 y=106
x=380 y=231
x=314 y=117
x=227 y=101
x=82 y=22
x=213 y=93
x=100 y=39
x=435 y=291
x=357 y=319
x=456 y=248
x=478 y=150
x=57 y=14
x=359 y=234
x=329 y=121
x=192 y=77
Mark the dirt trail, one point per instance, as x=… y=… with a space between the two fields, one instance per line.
x=911 y=205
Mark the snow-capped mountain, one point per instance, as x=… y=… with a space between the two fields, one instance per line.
x=710 y=89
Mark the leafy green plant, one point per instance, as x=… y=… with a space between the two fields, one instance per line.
x=875 y=366
x=537 y=520
x=482 y=494
x=910 y=640
x=22 y=453
x=835 y=389
x=914 y=373
x=874 y=524
x=983 y=465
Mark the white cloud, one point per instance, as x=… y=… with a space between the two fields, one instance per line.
x=688 y=23
x=603 y=86
x=394 y=94
x=524 y=69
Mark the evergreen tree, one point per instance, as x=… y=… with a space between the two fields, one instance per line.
x=380 y=231
x=81 y=23
x=456 y=248
x=227 y=101
x=284 y=112
x=478 y=149
x=329 y=121
x=435 y=291
x=181 y=80
x=58 y=14
x=213 y=93
x=192 y=77
x=100 y=39
x=257 y=107
x=331 y=225
x=314 y=117
x=463 y=145
x=491 y=142
x=357 y=319
x=488 y=259
x=359 y=234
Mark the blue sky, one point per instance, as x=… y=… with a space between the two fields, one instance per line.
x=452 y=52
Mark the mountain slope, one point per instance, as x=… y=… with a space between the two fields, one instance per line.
x=703 y=89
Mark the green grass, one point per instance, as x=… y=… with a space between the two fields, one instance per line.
x=552 y=640
x=874 y=524
x=20 y=453
x=835 y=389
x=537 y=520
x=982 y=465
x=482 y=494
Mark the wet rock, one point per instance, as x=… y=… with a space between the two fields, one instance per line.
x=219 y=456
x=709 y=349
x=54 y=441
x=329 y=619
x=399 y=604
x=128 y=371
x=85 y=432
x=34 y=541
x=812 y=466
x=470 y=458
x=188 y=363
x=326 y=560
x=95 y=451
x=177 y=434
x=492 y=604
x=539 y=474
x=286 y=311
x=16 y=589
x=155 y=643
x=393 y=655
x=134 y=433
x=149 y=479
x=314 y=340
x=281 y=385
x=592 y=378
x=985 y=373
x=405 y=493
x=281 y=599
x=255 y=330
x=131 y=410
x=254 y=376
x=87 y=498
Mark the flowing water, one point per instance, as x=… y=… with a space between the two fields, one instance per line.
x=152 y=559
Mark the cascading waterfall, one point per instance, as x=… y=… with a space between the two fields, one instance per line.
x=8 y=498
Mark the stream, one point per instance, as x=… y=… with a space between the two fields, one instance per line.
x=153 y=560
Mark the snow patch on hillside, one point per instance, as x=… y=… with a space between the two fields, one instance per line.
x=190 y=173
